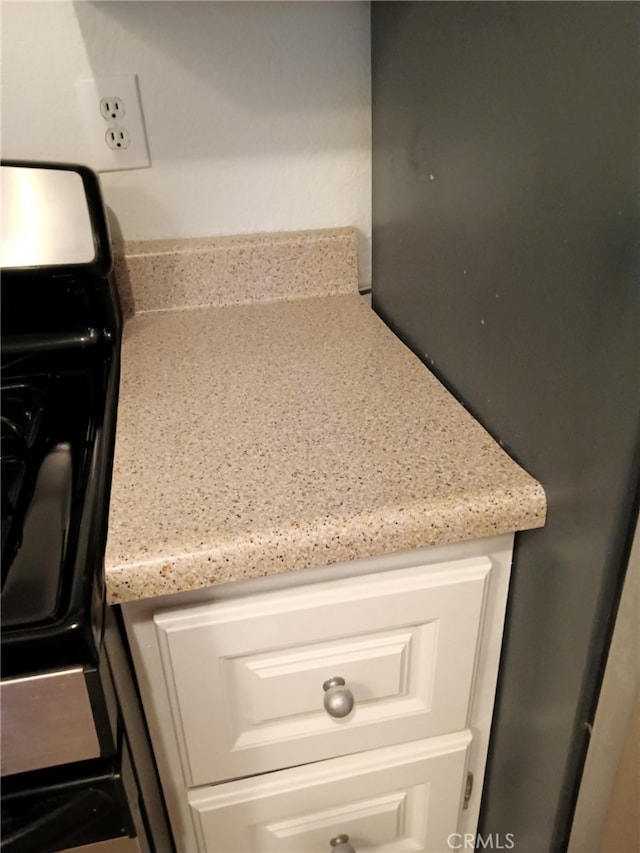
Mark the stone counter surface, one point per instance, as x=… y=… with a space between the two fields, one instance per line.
x=286 y=433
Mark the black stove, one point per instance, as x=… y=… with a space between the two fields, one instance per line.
x=60 y=356
x=67 y=777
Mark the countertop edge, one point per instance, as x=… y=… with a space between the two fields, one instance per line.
x=261 y=554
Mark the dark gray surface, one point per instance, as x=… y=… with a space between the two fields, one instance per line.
x=505 y=252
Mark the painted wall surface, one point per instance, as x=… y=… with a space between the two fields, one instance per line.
x=258 y=115
x=506 y=254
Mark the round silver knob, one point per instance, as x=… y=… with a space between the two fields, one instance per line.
x=341 y=844
x=338 y=699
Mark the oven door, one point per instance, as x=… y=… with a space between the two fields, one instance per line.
x=83 y=806
x=68 y=780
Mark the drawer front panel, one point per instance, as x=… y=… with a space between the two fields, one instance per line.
x=404 y=798
x=245 y=678
x=273 y=688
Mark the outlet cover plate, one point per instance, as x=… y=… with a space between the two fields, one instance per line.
x=102 y=157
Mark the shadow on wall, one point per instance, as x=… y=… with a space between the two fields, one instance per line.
x=249 y=64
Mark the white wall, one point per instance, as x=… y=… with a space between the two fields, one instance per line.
x=258 y=114
x=594 y=821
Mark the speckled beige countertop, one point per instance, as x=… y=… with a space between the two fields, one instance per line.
x=285 y=433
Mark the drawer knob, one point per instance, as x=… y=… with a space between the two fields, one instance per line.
x=338 y=701
x=341 y=844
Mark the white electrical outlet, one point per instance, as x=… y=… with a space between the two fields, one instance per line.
x=113 y=123
x=118 y=138
x=112 y=108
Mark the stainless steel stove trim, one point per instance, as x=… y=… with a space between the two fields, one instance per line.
x=47 y=720
x=46 y=218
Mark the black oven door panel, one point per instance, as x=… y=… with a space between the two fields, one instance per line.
x=55 y=813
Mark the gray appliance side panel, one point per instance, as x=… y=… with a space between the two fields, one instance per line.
x=505 y=253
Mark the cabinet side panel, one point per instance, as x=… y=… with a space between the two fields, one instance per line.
x=141 y=636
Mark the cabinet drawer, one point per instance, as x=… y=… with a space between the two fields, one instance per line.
x=245 y=677
x=393 y=799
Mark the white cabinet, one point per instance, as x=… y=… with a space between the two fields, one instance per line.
x=232 y=684
x=403 y=798
x=403 y=641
